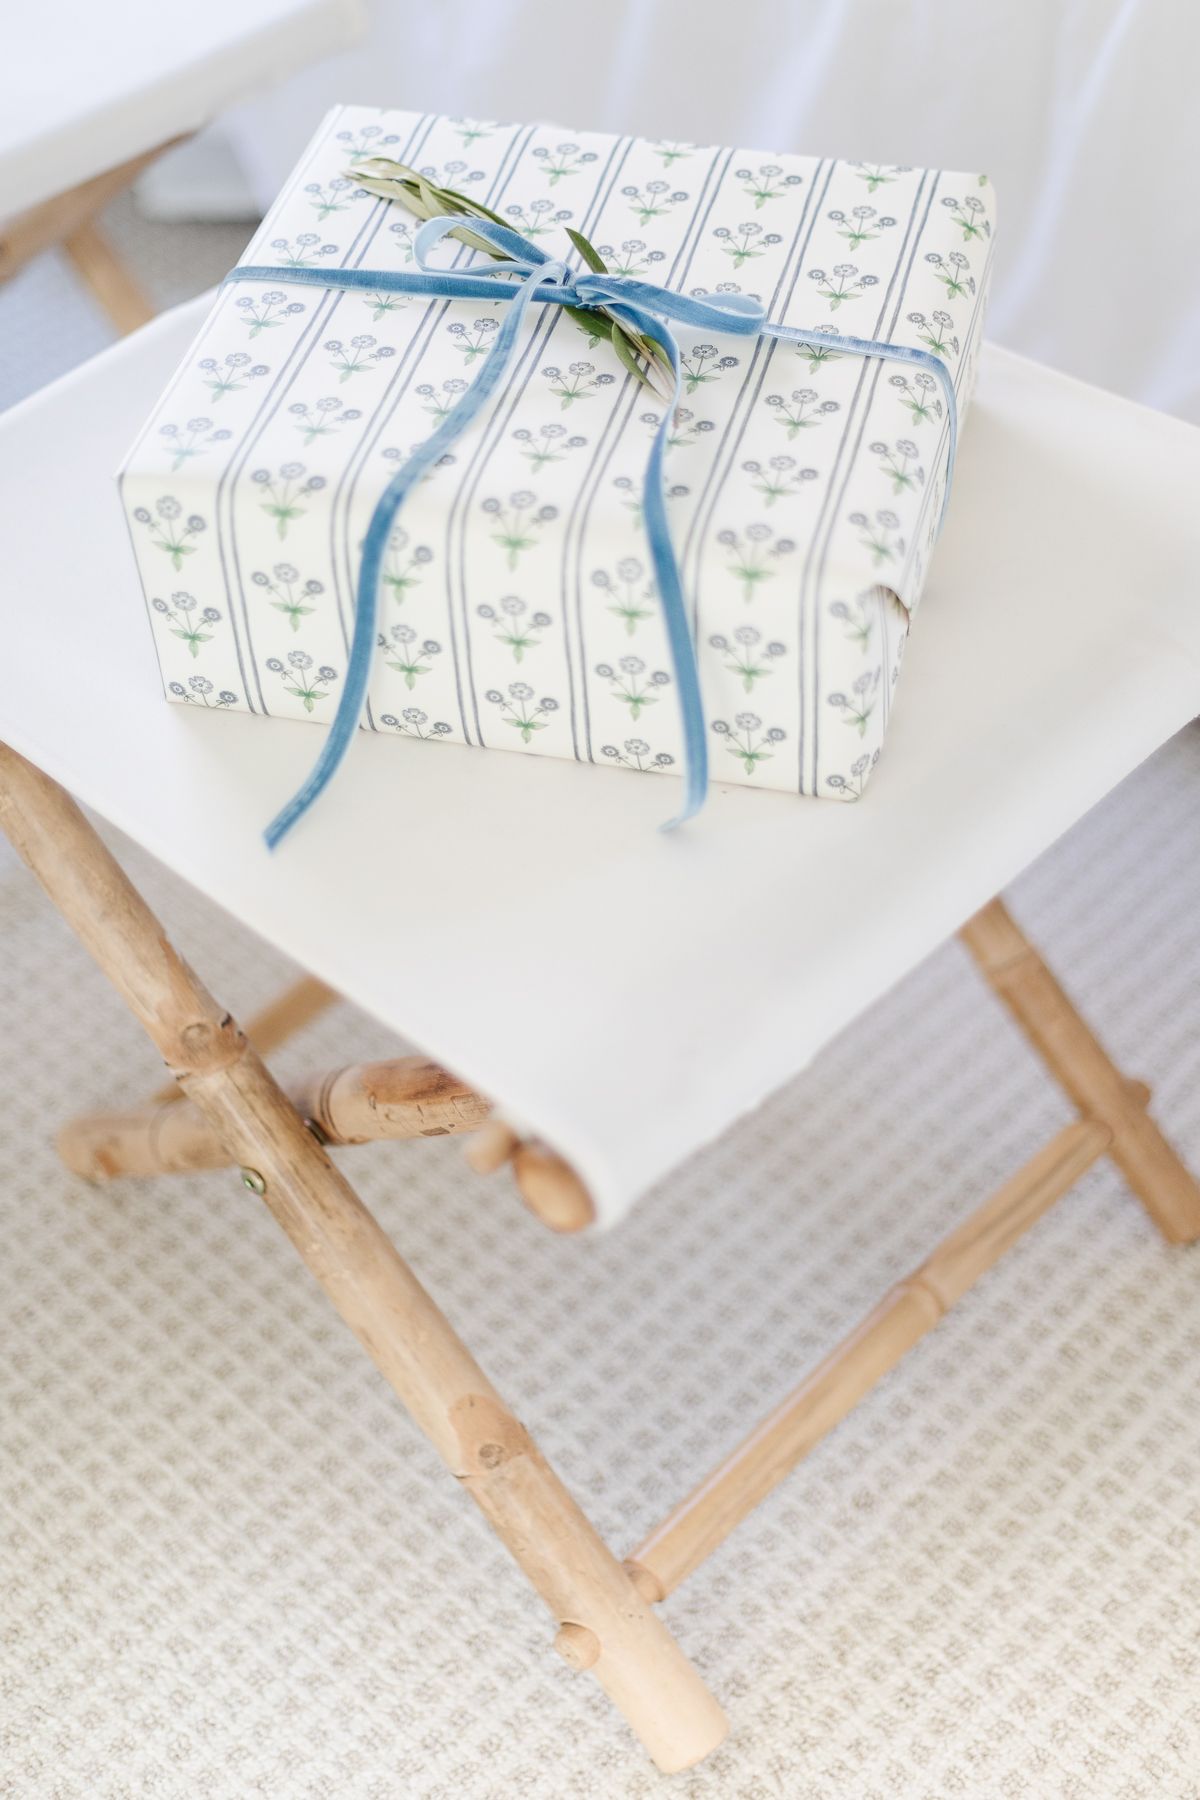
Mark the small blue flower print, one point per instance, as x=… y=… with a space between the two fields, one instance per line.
x=767 y=182
x=780 y=477
x=518 y=524
x=268 y=311
x=857 y=706
x=746 y=242
x=200 y=691
x=704 y=363
x=298 y=678
x=301 y=252
x=860 y=770
x=410 y=655
x=845 y=283
x=630 y=592
x=653 y=199
x=362 y=352
x=188 y=619
x=579 y=381
x=512 y=629
x=747 y=740
x=169 y=530
x=283 y=492
x=629 y=683
x=518 y=709
x=744 y=656
x=323 y=417
x=566 y=159
x=412 y=723
x=192 y=439
x=234 y=372
x=549 y=444
x=750 y=550
x=291 y=596
x=637 y=754
x=404 y=564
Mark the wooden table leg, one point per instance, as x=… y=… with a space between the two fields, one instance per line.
x=605 y=1624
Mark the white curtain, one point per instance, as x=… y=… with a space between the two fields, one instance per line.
x=1084 y=115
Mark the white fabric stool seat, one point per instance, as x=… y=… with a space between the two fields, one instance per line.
x=623 y=993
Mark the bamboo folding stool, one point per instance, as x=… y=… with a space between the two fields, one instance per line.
x=120 y=749
x=225 y=1108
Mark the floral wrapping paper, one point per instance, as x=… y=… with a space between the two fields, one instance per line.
x=804 y=485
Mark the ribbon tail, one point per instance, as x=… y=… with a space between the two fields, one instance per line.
x=362 y=642
x=670 y=589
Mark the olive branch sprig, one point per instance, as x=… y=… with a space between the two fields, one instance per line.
x=641 y=355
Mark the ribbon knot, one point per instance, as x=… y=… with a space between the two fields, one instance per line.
x=530 y=276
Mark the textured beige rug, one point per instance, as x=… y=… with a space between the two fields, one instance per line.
x=230 y=1568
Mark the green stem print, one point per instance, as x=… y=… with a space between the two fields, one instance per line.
x=746 y=242
x=188 y=622
x=322 y=418
x=767 y=182
x=747 y=740
x=579 y=382
x=474 y=340
x=199 y=692
x=969 y=215
x=518 y=524
x=298 y=678
x=626 y=684
x=818 y=355
x=412 y=723
x=549 y=444
x=409 y=658
x=193 y=439
x=437 y=405
x=564 y=160
x=518 y=709
x=511 y=628
x=860 y=770
x=284 y=493
x=369 y=140
x=936 y=332
x=166 y=532
x=744 y=657
x=686 y=428
x=704 y=363
x=751 y=549
x=857 y=706
x=362 y=352
x=231 y=374
x=899 y=463
x=382 y=305
x=844 y=283
x=953 y=272
x=858 y=621
x=302 y=252
x=779 y=478
x=630 y=592
x=653 y=200
x=919 y=394
x=631 y=257
x=671 y=153
x=880 y=535
x=536 y=219
x=877 y=175
x=861 y=225
x=289 y=595
x=268 y=311
x=638 y=755
x=470 y=131
x=335 y=196
x=802 y=410
x=402 y=565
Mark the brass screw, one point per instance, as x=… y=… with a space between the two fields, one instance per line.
x=253 y=1180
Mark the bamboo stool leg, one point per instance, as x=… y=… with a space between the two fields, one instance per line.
x=298 y=1005
x=604 y=1622
x=111 y=284
x=1083 y=1068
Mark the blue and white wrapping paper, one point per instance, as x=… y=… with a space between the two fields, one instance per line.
x=518 y=610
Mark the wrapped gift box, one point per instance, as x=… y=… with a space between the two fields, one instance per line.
x=517 y=607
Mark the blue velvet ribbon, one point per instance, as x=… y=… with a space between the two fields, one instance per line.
x=531 y=277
